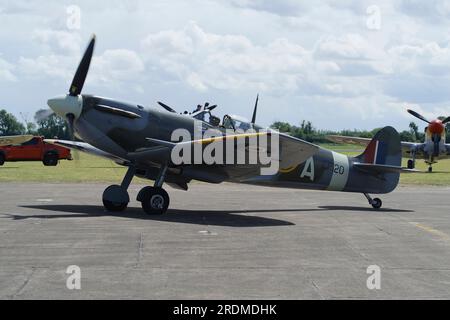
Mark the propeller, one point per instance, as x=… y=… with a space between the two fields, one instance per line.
x=80 y=76
x=256 y=110
x=70 y=123
x=165 y=106
x=419 y=116
x=43 y=114
x=70 y=106
x=446 y=120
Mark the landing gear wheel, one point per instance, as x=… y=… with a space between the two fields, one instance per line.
x=155 y=201
x=411 y=164
x=377 y=203
x=115 y=199
x=2 y=159
x=430 y=169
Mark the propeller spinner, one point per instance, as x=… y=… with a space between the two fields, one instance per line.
x=435 y=126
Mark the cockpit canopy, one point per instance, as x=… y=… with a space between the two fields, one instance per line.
x=230 y=122
x=236 y=123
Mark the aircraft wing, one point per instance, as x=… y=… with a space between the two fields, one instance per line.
x=292 y=152
x=6 y=141
x=407 y=147
x=84 y=147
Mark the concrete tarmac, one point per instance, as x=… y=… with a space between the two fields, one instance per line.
x=224 y=242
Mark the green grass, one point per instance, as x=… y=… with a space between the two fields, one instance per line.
x=94 y=169
x=86 y=169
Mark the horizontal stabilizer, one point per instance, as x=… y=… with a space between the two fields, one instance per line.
x=382 y=168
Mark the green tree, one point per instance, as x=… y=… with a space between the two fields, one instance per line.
x=52 y=127
x=31 y=128
x=9 y=125
x=414 y=131
x=407 y=136
x=281 y=126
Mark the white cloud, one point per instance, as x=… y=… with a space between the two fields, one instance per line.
x=65 y=41
x=7 y=71
x=228 y=62
x=52 y=66
x=306 y=59
x=116 y=65
x=281 y=7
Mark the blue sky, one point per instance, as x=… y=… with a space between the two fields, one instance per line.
x=355 y=64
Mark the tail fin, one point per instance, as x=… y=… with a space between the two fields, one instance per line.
x=384 y=149
x=383 y=158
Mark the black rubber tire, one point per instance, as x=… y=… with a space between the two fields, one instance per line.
x=411 y=164
x=377 y=203
x=2 y=159
x=114 y=207
x=115 y=199
x=430 y=170
x=155 y=201
x=50 y=160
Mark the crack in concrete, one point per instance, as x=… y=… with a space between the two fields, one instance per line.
x=140 y=247
x=24 y=284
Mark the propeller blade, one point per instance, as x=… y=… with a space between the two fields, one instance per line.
x=419 y=116
x=70 y=121
x=70 y=124
x=446 y=120
x=83 y=68
x=43 y=114
x=165 y=106
x=256 y=110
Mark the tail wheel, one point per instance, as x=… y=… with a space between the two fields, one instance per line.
x=377 y=203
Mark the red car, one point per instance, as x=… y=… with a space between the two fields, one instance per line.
x=35 y=150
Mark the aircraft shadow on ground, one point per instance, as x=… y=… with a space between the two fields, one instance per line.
x=368 y=209
x=227 y=218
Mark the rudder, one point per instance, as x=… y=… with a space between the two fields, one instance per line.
x=383 y=158
x=384 y=149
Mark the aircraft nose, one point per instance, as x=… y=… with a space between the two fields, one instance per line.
x=436 y=127
x=65 y=105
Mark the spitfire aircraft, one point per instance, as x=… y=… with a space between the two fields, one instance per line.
x=140 y=138
x=6 y=141
x=434 y=147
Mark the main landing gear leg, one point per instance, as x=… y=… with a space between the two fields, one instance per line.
x=116 y=198
x=412 y=162
x=375 y=203
x=155 y=200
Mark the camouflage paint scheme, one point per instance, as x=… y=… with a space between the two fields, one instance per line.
x=140 y=138
x=124 y=138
